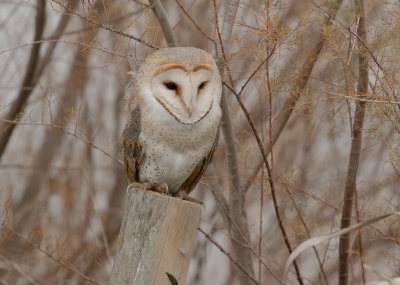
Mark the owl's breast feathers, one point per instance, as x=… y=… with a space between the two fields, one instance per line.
x=159 y=151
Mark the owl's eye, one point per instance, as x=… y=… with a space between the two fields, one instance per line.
x=202 y=85
x=171 y=86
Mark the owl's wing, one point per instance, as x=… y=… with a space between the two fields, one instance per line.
x=130 y=145
x=200 y=168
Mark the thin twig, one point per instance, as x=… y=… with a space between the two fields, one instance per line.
x=183 y=16
x=229 y=256
x=201 y=31
x=95 y=208
x=19 y=269
x=64 y=41
x=221 y=42
x=360 y=238
x=67 y=132
x=258 y=68
x=142 y=4
x=363 y=100
x=237 y=228
x=340 y=210
x=361 y=40
x=307 y=231
x=4 y=281
x=104 y=27
x=269 y=259
x=90 y=28
x=51 y=257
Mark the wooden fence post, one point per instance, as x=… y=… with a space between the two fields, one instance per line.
x=157 y=236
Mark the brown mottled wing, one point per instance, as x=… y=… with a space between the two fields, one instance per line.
x=131 y=148
x=198 y=172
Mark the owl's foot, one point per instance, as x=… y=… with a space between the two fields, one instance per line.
x=145 y=186
x=162 y=188
x=184 y=196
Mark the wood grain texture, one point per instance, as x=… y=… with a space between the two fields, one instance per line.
x=157 y=236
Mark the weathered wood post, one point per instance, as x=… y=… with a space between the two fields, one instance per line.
x=157 y=236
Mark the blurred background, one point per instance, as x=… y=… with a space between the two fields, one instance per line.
x=62 y=112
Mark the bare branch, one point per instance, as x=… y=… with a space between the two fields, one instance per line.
x=18 y=105
x=356 y=140
x=55 y=36
x=159 y=11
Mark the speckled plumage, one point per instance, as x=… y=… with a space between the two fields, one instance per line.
x=171 y=135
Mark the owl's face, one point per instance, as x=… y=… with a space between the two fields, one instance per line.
x=185 y=81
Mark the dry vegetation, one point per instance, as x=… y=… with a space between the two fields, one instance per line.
x=310 y=130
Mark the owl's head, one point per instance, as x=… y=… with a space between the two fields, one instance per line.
x=184 y=81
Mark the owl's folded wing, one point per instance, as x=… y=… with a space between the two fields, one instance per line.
x=130 y=145
x=200 y=168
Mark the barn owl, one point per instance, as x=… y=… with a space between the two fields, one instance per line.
x=171 y=132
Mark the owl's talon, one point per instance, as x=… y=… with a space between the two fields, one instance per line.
x=184 y=196
x=162 y=188
x=145 y=186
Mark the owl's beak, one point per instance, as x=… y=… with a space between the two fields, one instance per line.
x=189 y=102
x=189 y=109
x=189 y=105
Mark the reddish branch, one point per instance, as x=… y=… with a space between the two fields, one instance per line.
x=354 y=159
x=18 y=105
